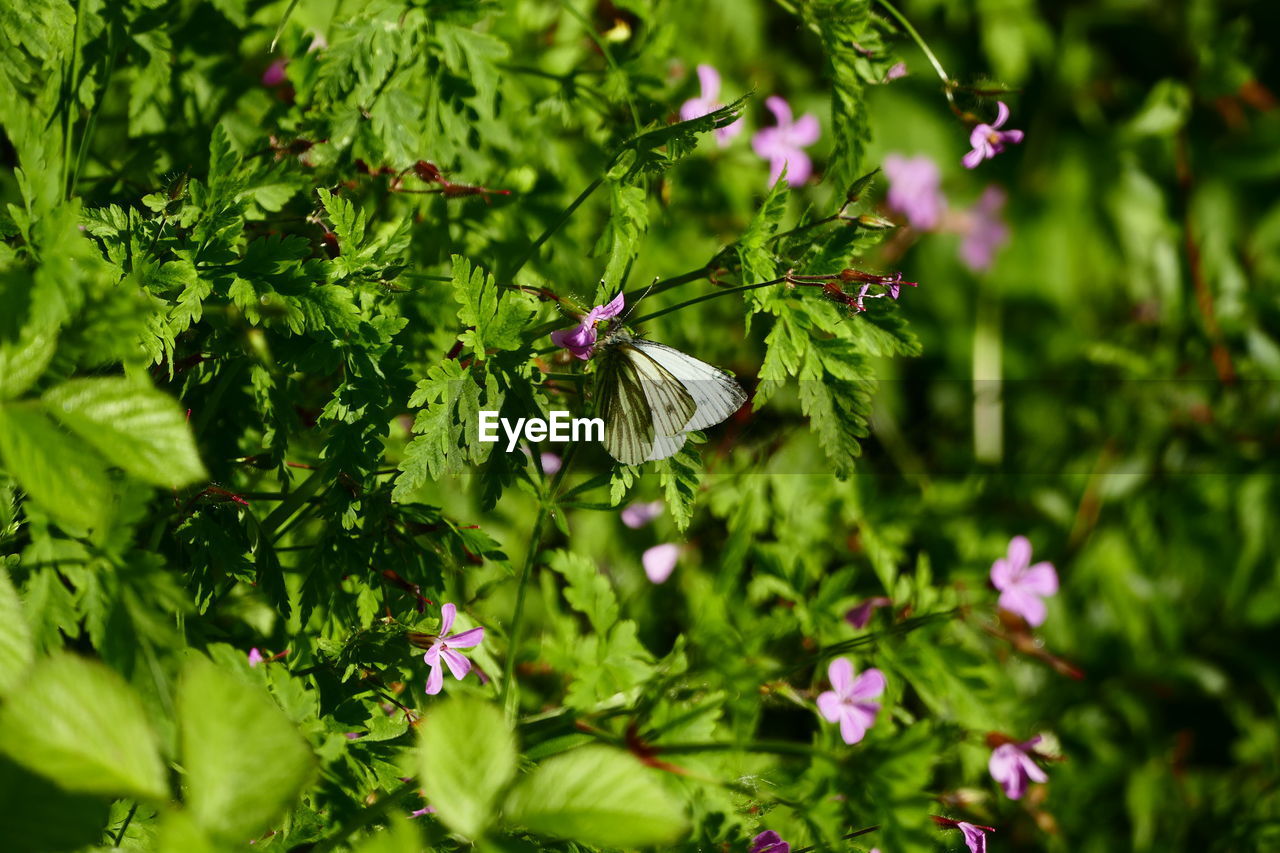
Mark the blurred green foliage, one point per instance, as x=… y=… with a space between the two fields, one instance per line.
x=258 y=274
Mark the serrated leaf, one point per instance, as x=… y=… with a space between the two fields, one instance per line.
x=245 y=761
x=77 y=722
x=467 y=756
x=24 y=361
x=599 y=796
x=589 y=591
x=134 y=426
x=68 y=480
x=680 y=475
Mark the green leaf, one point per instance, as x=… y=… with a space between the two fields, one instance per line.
x=467 y=756
x=136 y=428
x=23 y=361
x=66 y=479
x=245 y=761
x=40 y=817
x=620 y=241
x=78 y=722
x=16 y=650
x=597 y=795
x=496 y=319
x=589 y=591
x=401 y=836
x=680 y=476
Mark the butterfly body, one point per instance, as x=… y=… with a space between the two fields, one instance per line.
x=651 y=396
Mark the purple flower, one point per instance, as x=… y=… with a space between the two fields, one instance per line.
x=708 y=102
x=860 y=616
x=914 y=189
x=445 y=646
x=581 y=339
x=255 y=657
x=783 y=144
x=896 y=72
x=274 y=75
x=983 y=230
x=660 y=561
x=987 y=140
x=1012 y=767
x=637 y=515
x=550 y=462
x=846 y=703
x=1021 y=584
x=425 y=810
x=769 y=842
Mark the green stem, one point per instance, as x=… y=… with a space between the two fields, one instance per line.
x=716 y=293
x=947 y=83
x=555 y=226
x=846 y=837
x=69 y=105
x=128 y=819
x=93 y=112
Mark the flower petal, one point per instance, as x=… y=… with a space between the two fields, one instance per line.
x=1013 y=137
x=853 y=726
x=660 y=561
x=465 y=640
x=637 y=515
x=840 y=674
x=458 y=664
x=868 y=685
x=729 y=131
x=781 y=110
x=769 y=842
x=1002 y=574
x=709 y=80
x=805 y=131
x=695 y=108
x=767 y=143
x=1019 y=554
x=612 y=308
x=829 y=705
x=1042 y=579
x=973 y=158
x=1002 y=114
x=447 y=614
x=799 y=167
x=974 y=837
x=435 y=681
x=1025 y=604
x=432 y=655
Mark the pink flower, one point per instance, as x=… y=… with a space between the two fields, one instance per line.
x=896 y=72
x=581 y=339
x=860 y=616
x=987 y=140
x=983 y=230
x=550 y=462
x=1011 y=766
x=769 y=842
x=708 y=102
x=445 y=646
x=637 y=515
x=974 y=833
x=274 y=75
x=1021 y=584
x=660 y=561
x=255 y=657
x=914 y=189
x=783 y=144
x=846 y=703
x=425 y=810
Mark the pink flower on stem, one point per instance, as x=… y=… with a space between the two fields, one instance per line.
x=637 y=515
x=660 y=561
x=1012 y=767
x=896 y=72
x=708 y=102
x=1022 y=585
x=581 y=339
x=988 y=140
x=445 y=647
x=983 y=230
x=847 y=702
x=860 y=615
x=769 y=842
x=783 y=144
x=915 y=190
x=255 y=657
x=974 y=833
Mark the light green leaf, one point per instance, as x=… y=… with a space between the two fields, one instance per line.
x=23 y=361
x=79 y=723
x=245 y=761
x=400 y=837
x=597 y=795
x=39 y=817
x=16 y=651
x=467 y=755
x=589 y=591
x=68 y=480
x=137 y=428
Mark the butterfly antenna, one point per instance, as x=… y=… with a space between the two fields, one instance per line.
x=633 y=305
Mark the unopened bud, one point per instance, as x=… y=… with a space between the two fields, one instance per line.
x=875 y=223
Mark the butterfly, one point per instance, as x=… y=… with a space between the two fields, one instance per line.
x=651 y=396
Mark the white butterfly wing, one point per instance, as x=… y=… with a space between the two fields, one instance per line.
x=716 y=394
x=665 y=446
